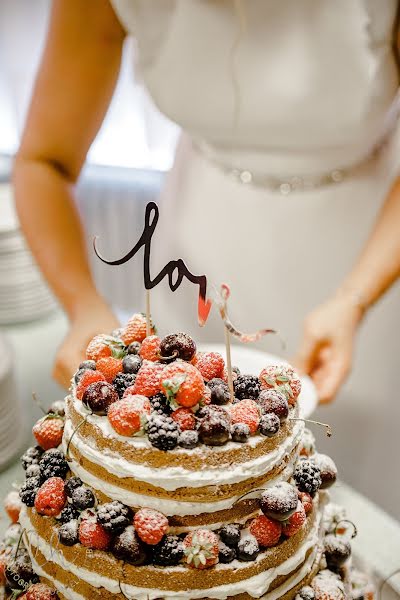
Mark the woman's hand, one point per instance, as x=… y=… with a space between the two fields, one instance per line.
x=92 y=318
x=326 y=350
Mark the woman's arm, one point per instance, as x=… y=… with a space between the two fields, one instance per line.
x=73 y=89
x=327 y=347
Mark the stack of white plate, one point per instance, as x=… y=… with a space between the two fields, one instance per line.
x=11 y=427
x=24 y=296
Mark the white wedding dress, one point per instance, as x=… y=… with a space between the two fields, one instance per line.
x=275 y=184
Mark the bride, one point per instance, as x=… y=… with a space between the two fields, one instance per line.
x=284 y=183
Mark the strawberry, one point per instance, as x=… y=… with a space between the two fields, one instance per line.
x=183 y=383
x=248 y=412
x=185 y=418
x=306 y=501
x=147 y=382
x=201 y=548
x=93 y=535
x=13 y=505
x=98 y=348
x=128 y=415
x=51 y=497
x=48 y=431
x=295 y=522
x=135 y=329
x=283 y=378
x=266 y=531
x=109 y=367
x=150 y=348
x=40 y=591
x=150 y=525
x=87 y=378
x=210 y=364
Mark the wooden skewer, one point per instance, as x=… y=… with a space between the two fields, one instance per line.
x=148 y=314
x=229 y=362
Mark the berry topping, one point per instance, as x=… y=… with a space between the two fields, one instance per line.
x=219 y=389
x=183 y=383
x=102 y=346
x=71 y=484
x=269 y=425
x=134 y=348
x=159 y=403
x=131 y=364
x=129 y=415
x=147 y=382
x=99 y=396
x=163 y=432
x=88 y=364
x=69 y=513
x=19 y=572
x=33 y=471
x=114 y=516
x=279 y=501
x=135 y=329
x=337 y=551
x=109 y=367
x=177 y=345
x=215 y=427
x=122 y=382
x=328 y=586
x=185 y=418
x=188 y=439
x=169 y=552
x=83 y=498
x=68 y=534
x=247 y=386
x=230 y=535
x=51 y=497
x=31 y=456
x=201 y=549
x=41 y=591
x=150 y=525
x=210 y=365
x=13 y=505
x=128 y=547
x=225 y=553
x=306 y=593
x=306 y=501
x=307 y=446
x=248 y=412
x=53 y=464
x=248 y=548
x=150 y=349
x=307 y=476
x=80 y=373
x=274 y=401
x=295 y=522
x=57 y=408
x=87 y=379
x=48 y=431
x=327 y=469
x=240 y=432
x=284 y=378
x=266 y=531
x=28 y=491
x=93 y=535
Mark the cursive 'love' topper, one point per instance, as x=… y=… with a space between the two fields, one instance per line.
x=175 y=270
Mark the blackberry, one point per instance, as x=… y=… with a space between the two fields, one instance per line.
x=230 y=535
x=114 y=516
x=220 y=393
x=306 y=593
x=19 y=572
x=133 y=348
x=337 y=551
x=188 y=439
x=33 y=471
x=71 y=484
x=53 y=464
x=88 y=364
x=29 y=489
x=225 y=553
x=160 y=404
x=128 y=547
x=274 y=401
x=31 y=456
x=177 y=345
x=83 y=498
x=307 y=477
x=169 y=552
x=98 y=396
x=240 y=432
x=163 y=432
x=57 y=408
x=247 y=386
x=269 y=425
x=69 y=513
x=122 y=381
x=248 y=548
x=131 y=364
x=214 y=428
x=68 y=533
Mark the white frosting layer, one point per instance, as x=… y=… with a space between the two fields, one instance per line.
x=173 y=478
x=255 y=586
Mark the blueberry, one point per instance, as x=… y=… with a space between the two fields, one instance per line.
x=131 y=364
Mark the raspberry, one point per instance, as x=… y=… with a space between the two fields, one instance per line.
x=169 y=552
x=51 y=497
x=41 y=591
x=219 y=391
x=87 y=378
x=306 y=501
x=247 y=386
x=93 y=535
x=109 y=367
x=122 y=382
x=13 y=505
x=201 y=549
x=114 y=516
x=283 y=378
x=210 y=365
x=99 y=396
x=266 y=531
x=28 y=491
x=295 y=522
x=53 y=464
x=307 y=477
x=135 y=329
x=48 y=432
x=163 y=432
x=183 y=383
x=150 y=525
x=185 y=418
x=129 y=415
x=177 y=345
x=127 y=546
x=246 y=411
x=147 y=381
x=274 y=401
x=150 y=349
x=31 y=456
